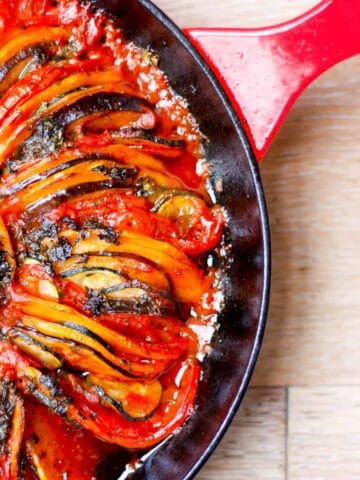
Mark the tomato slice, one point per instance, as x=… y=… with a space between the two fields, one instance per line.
x=199 y=227
x=10 y=360
x=177 y=401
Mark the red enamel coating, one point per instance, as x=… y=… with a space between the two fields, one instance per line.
x=265 y=70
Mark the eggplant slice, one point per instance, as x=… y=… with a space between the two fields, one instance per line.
x=12 y=418
x=20 y=65
x=50 y=133
x=7 y=264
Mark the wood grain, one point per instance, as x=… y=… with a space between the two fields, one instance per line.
x=324 y=439
x=311 y=178
x=246 y=449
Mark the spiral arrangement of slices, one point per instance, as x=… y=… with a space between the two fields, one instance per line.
x=102 y=244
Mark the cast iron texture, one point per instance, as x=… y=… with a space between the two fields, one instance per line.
x=228 y=369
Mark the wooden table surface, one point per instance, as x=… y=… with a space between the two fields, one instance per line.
x=301 y=417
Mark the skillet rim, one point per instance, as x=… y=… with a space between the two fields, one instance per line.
x=264 y=223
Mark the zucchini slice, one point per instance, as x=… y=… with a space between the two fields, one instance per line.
x=134 y=400
x=34 y=349
x=121 y=294
x=94 y=278
x=136 y=298
x=77 y=356
x=183 y=209
x=128 y=268
x=176 y=205
x=187 y=279
x=158 y=195
x=83 y=337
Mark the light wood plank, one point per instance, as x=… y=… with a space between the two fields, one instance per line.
x=324 y=433
x=254 y=446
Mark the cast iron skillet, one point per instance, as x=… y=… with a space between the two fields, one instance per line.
x=236 y=345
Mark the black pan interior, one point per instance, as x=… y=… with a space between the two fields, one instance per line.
x=235 y=347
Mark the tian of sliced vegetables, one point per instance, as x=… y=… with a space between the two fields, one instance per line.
x=105 y=227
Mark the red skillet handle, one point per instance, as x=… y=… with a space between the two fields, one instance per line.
x=265 y=70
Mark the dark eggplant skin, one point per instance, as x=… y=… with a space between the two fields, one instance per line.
x=53 y=201
x=7 y=405
x=12 y=418
x=117 y=405
x=6 y=271
x=118 y=177
x=47 y=391
x=151 y=302
x=71 y=345
x=5 y=192
x=168 y=142
x=49 y=133
x=141 y=134
x=37 y=53
x=100 y=102
x=20 y=338
x=87 y=332
x=7 y=264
